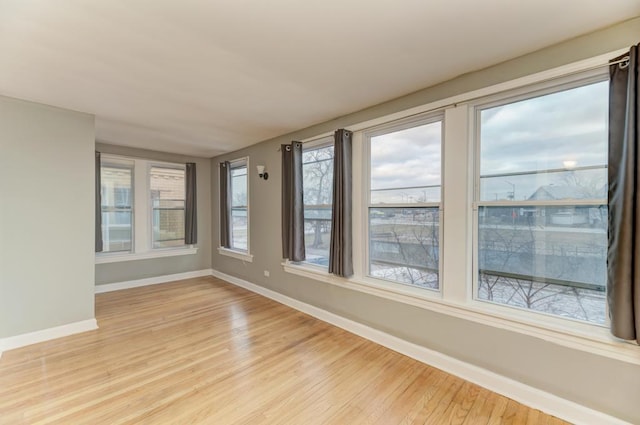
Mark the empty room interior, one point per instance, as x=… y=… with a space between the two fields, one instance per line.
x=319 y=212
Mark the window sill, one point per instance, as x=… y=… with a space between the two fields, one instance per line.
x=156 y=253
x=239 y=255
x=593 y=339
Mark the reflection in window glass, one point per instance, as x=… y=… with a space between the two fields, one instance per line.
x=167 y=187
x=117 y=206
x=555 y=143
x=404 y=245
x=543 y=244
x=239 y=221
x=317 y=172
x=405 y=165
x=406 y=175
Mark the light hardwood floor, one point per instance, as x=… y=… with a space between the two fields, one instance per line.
x=204 y=351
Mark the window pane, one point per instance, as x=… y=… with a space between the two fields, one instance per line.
x=117 y=207
x=239 y=222
x=548 y=259
x=239 y=228
x=522 y=142
x=317 y=170
x=167 y=199
x=404 y=245
x=405 y=165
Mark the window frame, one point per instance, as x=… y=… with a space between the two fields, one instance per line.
x=569 y=82
x=124 y=163
x=319 y=143
x=167 y=165
x=387 y=128
x=142 y=221
x=243 y=255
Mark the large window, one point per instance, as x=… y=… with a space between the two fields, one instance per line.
x=117 y=205
x=317 y=171
x=404 y=203
x=542 y=202
x=167 y=186
x=492 y=208
x=239 y=206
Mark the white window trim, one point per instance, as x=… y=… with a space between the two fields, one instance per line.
x=142 y=243
x=237 y=254
x=532 y=91
x=322 y=142
x=365 y=186
x=240 y=254
x=456 y=299
x=149 y=225
x=117 y=257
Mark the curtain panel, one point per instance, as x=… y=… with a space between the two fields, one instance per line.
x=190 y=206
x=623 y=258
x=225 y=204
x=341 y=248
x=292 y=203
x=98 y=205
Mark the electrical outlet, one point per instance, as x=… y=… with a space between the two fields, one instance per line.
x=266 y=273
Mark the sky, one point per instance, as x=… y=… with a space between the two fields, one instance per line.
x=561 y=130
x=407 y=158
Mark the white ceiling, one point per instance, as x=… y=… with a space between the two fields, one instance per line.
x=206 y=77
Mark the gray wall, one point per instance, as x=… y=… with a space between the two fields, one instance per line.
x=46 y=217
x=601 y=383
x=140 y=269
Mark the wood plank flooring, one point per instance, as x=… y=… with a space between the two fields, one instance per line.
x=203 y=351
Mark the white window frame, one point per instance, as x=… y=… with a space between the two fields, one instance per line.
x=129 y=164
x=142 y=217
x=387 y=128
x=238 y=254
x=537 y=90
x=167 y=165
x=458 y=240
x=322 y=142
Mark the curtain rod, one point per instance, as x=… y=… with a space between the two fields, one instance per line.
x=623 y=63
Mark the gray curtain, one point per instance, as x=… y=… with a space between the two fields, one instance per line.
x=292 y=203
x=225 y=204
x=190 y=206
x=623 y=265
x=341 y=249
x=98 y=205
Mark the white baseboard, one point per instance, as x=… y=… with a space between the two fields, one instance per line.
x=108 y=287
x=23 y=340
x=525 y=394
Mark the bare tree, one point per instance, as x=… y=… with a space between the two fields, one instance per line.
x=557 y=273
x=318 y=182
